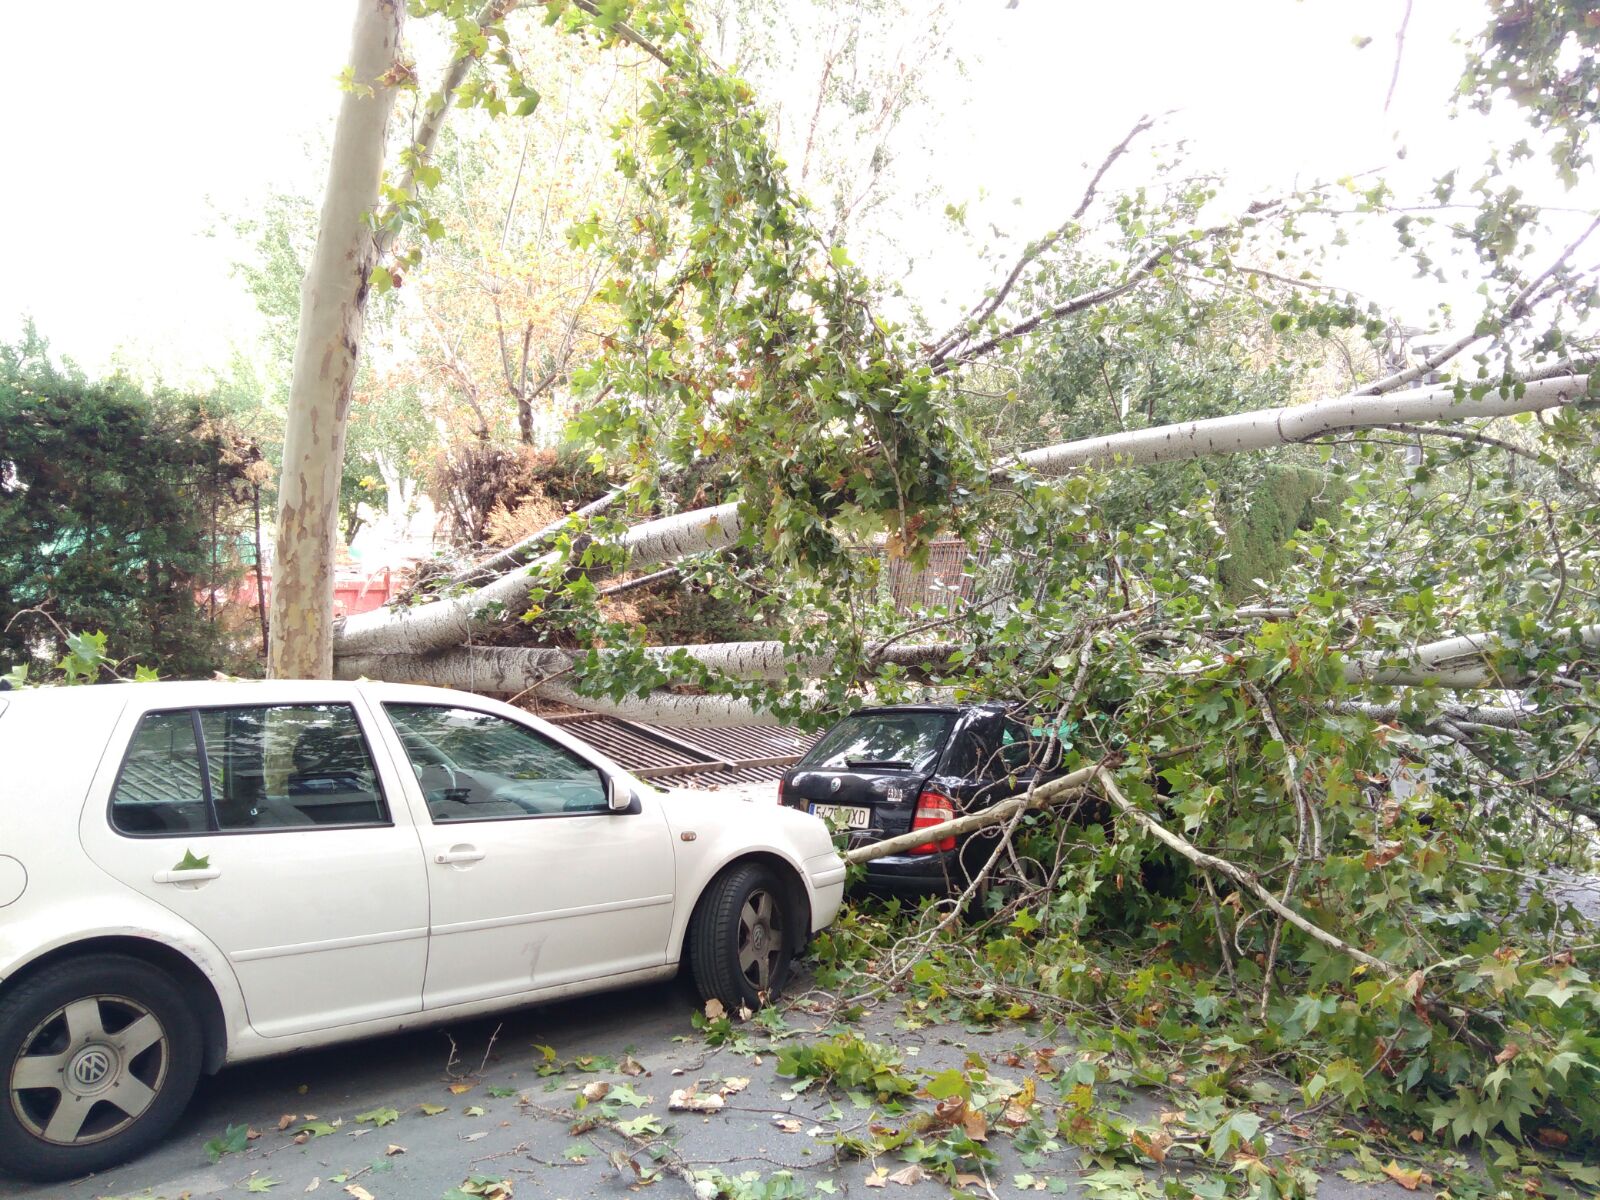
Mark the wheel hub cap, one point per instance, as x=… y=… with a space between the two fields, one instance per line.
x=93 y=1069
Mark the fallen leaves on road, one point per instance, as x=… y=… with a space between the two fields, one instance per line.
x=1410 y=1180
x=378 y=1117
x=631 y=1066
x=490 y=1187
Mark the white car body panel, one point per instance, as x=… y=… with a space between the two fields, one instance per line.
x=321 y=935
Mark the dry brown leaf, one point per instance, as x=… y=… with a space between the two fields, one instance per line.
x=787 y=1124
x=458 y=1088
x=316 y=1182
x=631 y=1066
x=1155 y=1146
x=1507 y=1053
x=1410 y=1180
x=714 y=1009
x=976 y=1125
x=285 y=1121
x=472 y=1137
x=394 y=1149
x=907 y=1176
x=733 y=1085
x=596 y=1091
x=689 y=1100
x=1016 y=1113
x=357 y=1192
x=963 y=1180
x=879 y=1178
x=1554 y=1138
x=1386 y=853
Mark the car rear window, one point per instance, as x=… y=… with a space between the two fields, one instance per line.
x=912 y=739
x=249 y=768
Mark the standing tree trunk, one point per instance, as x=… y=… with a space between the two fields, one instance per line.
x=333 y=301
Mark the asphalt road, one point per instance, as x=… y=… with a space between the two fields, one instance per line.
x=507 y=1121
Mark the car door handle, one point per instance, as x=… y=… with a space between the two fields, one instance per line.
x=458 y=854
x=198 y=875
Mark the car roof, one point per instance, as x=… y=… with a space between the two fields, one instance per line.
x=965 y=706
x=207 y=692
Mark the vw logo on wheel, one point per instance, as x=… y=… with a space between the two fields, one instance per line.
x=91 y=1067
x=835 y=785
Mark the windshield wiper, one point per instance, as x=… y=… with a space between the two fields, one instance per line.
x=878 y=762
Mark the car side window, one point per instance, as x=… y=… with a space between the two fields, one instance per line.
x=159 y=789
x=251 y=768
x=282 y=766
x=475 y=766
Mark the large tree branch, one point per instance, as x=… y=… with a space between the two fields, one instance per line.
x=433 y=118
x=1295 y=423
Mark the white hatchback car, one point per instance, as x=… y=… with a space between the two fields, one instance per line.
x=195 y=874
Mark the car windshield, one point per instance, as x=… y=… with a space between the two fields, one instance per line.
x=883 y=739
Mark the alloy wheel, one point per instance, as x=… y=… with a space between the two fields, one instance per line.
x=89 y=1070
x=760 y=938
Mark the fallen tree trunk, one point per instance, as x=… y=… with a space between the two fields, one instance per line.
x=1294 y=423
x=449 y=622
x=510 y=669
x=1455 y=662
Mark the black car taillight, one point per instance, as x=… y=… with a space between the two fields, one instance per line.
x=934 y=809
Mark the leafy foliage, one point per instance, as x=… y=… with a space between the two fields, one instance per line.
x=118 y=511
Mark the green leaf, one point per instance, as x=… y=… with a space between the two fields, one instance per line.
x=378 y=1117
x=641 y=1126
x=260 y=1183
x=316 y=1128
x=189 y=862
x=234 y=1139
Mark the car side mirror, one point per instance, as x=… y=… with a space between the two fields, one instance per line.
x=619 y=796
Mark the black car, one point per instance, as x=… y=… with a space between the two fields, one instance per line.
x=886 y=771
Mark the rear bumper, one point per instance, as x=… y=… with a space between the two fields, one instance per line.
x=937 y=874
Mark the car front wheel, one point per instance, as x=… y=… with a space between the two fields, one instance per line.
x=99 y=1056
x=742 y=938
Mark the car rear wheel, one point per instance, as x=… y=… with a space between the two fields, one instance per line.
x=742 y=938
x=98 y=1057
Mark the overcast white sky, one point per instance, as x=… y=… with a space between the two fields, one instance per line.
x=131 y=131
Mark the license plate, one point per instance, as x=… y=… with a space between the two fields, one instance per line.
x=843 y=815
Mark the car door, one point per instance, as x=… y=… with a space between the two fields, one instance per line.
x=269 y=828
x=533 y=881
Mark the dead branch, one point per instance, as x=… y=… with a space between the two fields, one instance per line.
x=1043 y=796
